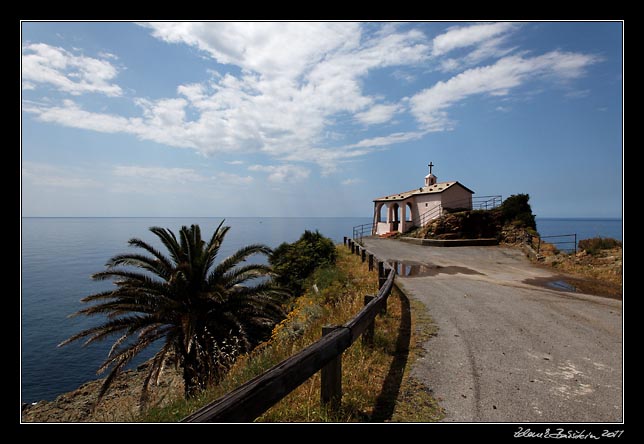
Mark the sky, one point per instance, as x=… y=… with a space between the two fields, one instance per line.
x=232 y=119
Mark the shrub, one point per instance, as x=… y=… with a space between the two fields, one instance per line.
x=517 y=211
x=595 y=244
x=295 y=262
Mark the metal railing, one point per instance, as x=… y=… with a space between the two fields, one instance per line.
x=486 y=202
x=478 y=203
x=360 y=230
x=557 y=243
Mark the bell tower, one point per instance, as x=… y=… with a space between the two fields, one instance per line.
x=430 y=179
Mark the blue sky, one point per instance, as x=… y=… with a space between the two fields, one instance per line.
x=317 y=119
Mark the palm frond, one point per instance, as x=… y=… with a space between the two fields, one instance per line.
x=154 y=372
x=152 y=265
x=130 y=278
x=108 y=328
x=107 y=382
x=125 y=355
x=168 y=239
x=232 y=261
x=167 y=264
x=212 y=249
x=239 y=275
x=119 y=361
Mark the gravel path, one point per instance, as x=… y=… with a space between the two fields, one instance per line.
x=507 y=350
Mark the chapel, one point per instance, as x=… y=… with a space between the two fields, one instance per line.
x=415 y=208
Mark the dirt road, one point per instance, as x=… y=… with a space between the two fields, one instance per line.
x=511 y=345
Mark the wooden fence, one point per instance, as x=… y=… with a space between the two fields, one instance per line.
x=253 y=398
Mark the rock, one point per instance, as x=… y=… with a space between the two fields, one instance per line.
x=120 y=404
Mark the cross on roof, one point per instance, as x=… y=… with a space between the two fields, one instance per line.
x=430 y=167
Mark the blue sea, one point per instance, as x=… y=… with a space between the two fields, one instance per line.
x=583 y=228
x=60 y=254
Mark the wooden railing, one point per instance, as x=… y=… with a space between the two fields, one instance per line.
x=253 y=398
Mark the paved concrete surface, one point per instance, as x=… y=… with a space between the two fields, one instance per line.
x=508 y=351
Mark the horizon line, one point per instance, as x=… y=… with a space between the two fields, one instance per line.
x=285 y=217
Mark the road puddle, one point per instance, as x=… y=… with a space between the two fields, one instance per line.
x=416 y=269
x=561 y=285
x=555 y=283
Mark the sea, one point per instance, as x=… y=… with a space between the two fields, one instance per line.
x=58 y=255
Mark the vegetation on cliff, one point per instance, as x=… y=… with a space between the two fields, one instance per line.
x=294 y=262
x=513 y=219
x=202 y=315
x=596 y=245
x=516 y=210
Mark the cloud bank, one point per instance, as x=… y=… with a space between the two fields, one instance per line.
x=304 y=105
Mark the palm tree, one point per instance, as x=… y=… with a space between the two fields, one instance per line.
x=194 y=308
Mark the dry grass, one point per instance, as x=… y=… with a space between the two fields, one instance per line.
x=376 y=382
x=599 y=273
x=373 y=377
x=415 y=402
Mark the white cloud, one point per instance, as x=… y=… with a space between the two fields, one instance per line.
x=282 y=173
x=108 y=55
x=162 y=174
x=74 y=74
x=232 y=179
x=389 y=139
x=162 y=121
x=430 y=105
x=404 y=76
x=351 y=181
x=483 y=41
x=42 y=174
x=378 y=114
x=260 y=46
x=448 y=65
x=458 y=37
x=172 y=180
x=283 y=102
x=71 y=115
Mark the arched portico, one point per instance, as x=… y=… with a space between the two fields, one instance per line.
x=392 y=216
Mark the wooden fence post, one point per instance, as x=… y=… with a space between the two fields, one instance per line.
x=367 y=336
x=363 y=255
x=381 y=274
x=353 y=247
x=382 y=278
x=370 y=262
x=344 y=242
x=331 y=377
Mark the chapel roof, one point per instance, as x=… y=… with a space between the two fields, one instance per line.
x=432 y=189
